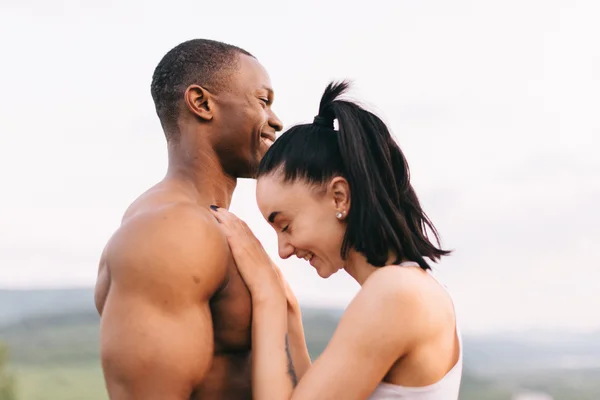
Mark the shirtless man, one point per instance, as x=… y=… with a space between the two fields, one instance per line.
x=175 y=311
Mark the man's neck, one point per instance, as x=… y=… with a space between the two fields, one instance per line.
x=201 y=173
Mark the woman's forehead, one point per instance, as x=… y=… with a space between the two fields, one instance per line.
x=273 y=192
x=271 y=189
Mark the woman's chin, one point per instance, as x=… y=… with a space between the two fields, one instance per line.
x=324 y=273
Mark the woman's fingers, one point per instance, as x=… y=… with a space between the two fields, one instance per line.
x=220 y=214
x=241 y=238
x=226 y=217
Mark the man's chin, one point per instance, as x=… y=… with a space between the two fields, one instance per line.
x=251 y=169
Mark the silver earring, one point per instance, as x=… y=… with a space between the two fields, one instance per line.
x=339 y=214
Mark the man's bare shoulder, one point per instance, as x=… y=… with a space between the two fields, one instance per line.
x=172 y=244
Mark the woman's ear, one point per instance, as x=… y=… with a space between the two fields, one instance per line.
x=339 y=190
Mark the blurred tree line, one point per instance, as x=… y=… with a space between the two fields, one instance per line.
x=7 y=380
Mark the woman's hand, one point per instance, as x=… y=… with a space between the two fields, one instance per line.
x=256 y=267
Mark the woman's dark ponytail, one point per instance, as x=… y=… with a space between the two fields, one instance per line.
x=385 y=215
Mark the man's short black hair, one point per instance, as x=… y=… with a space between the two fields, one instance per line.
x=203 y=62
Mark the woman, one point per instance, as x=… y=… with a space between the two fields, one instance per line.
x=342 y=199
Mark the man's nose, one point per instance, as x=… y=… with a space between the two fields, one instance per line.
x=275 y=122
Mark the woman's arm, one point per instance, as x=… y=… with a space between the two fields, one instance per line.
x=296 y=342
x=386 y=319
x=272 y=376
x=269 y=299
x=380 y=325
x=298 y=351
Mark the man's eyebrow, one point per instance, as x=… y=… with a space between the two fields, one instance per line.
x=268 y=89
x=272 y=216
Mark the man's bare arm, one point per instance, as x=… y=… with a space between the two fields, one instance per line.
x=157 y=334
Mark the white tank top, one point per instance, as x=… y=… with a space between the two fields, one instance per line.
x=446 y=388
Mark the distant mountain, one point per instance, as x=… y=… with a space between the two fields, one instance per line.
x=16 y=305
x=531 y=351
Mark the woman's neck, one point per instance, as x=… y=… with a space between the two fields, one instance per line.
x=359 y=268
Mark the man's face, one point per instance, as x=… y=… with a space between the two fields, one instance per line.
x=246 y=122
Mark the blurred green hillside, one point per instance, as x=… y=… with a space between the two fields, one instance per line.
x=53 y=339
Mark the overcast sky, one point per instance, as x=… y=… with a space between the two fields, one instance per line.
x=495 y=103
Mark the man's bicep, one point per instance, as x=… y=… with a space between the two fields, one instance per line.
x=157 y=334
x=151 y=353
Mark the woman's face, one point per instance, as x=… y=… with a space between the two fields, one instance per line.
x=306 y=219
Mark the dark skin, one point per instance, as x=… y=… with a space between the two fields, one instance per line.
x=176 y=314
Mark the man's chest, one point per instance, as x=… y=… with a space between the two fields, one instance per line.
x=232 y=317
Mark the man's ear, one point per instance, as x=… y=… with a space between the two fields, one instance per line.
x=199 y=101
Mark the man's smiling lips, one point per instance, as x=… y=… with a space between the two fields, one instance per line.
x=268 y=138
